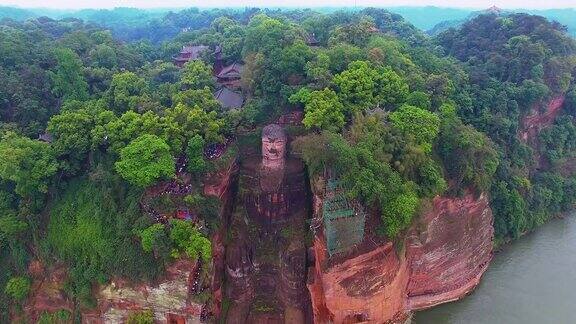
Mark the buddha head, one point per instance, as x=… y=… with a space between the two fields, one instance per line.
x=273 y=146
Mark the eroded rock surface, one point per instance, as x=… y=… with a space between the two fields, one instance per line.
x=170 y=298
x=448 y=257
x=442 y=259
x=47 y=291
x=367 y=288
x=537 y=119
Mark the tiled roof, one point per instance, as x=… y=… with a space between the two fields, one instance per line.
x=231 y=71
x=229 y=99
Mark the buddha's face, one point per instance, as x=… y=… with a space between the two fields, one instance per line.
x=273 y=149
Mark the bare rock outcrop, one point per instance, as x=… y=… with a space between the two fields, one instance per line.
x=448 y=257
x=47 y=291
x=367 y=288
x=168 y=299
x=442 y=259
x=536 y=120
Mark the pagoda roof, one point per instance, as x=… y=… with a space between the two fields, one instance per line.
x=231 y=71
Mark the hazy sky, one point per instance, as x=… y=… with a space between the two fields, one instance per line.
x=540 y=4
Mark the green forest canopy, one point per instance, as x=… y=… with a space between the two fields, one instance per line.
x=400 y=117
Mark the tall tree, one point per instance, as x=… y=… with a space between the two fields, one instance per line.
x=146 y=160
x=322 y=109
x=69 y=82
x=196 y=75
x=421 y=124
x=29 y=164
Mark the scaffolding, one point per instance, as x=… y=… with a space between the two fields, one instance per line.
x=343 y=219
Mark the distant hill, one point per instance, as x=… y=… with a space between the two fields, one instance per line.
x=566 y=17
x=425 y=18
x=16 y=13
x=103 y=16
x=431 y=19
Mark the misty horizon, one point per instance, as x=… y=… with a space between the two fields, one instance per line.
x=173 y=4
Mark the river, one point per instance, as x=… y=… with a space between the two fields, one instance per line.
x=532 y=280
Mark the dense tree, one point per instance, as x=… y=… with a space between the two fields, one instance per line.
x=195 y=155
x=421 y=124
x=265 y=35
x=390 y=90
x=318 y=71
x=469 y=156
x=29 y=164
x=69 y=82
x=11 y=227
x=294 y=58
x=196 y=75
x=18 y=288
x=202 y=98
x=356 y=86
x=145 y=160
x=103 y=56
x=323 y=110
x=194 y=121
x=154 y=239
x=71 y=136
x=189 y=240
x=125 y=92
x=419 y=99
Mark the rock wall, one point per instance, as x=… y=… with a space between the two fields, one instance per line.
x=447 y=258
x=218 y=184
x=537 y=120
x=47 y=291
x=169 y=299
x=442 y=259
x=367 y=288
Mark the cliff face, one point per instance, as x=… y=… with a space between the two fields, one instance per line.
x=169 y=299
x=537 y=120
x=47 y=292
x=443 y=258
x=370 y=287
x=448 y=257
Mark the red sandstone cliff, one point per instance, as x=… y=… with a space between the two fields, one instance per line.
x=447 y=258
x=443 y=257
x=537 y=120
x=47 y=292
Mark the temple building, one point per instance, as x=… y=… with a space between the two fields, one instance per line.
x=230 y=75
x=218 y=61
x=189 y=53
x=311 y=40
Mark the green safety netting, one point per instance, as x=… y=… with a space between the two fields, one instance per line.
x=343 y=220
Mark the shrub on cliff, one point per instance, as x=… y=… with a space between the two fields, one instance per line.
x=18 y=288
x=91 y=228
x=141 y=317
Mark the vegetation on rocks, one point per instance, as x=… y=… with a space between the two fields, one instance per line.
x=105 y=142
